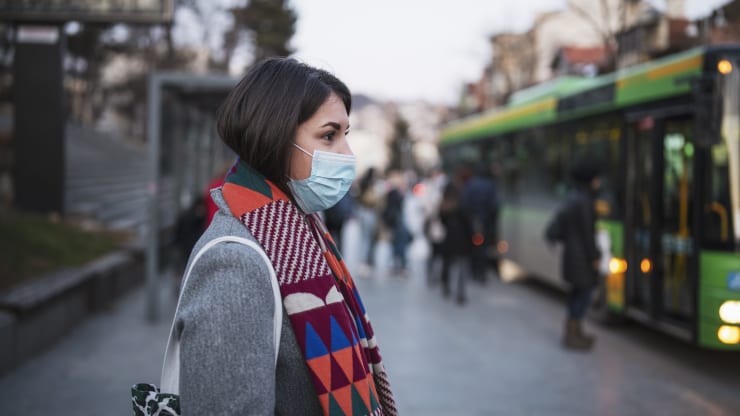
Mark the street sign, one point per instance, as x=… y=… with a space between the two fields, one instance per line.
x=38 y=34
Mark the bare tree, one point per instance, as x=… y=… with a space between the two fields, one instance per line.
x=603 y=27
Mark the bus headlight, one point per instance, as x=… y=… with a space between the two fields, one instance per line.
x=730 y=311
x=724 y=67
x=729 y=334
x=617 y=265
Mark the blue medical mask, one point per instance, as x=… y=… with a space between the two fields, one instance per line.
x=331 y=176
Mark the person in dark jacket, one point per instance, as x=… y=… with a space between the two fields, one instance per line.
x=481 y=200
x=336 y=216
x=393 y=219
x=457 y=243
x=580 y=253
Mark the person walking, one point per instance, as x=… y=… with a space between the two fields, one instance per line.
x=288 y=123
x=481 y=200
x=434 y=230
x=368 y=205
x=394 y=221
x=574 y=226
x=457 y=242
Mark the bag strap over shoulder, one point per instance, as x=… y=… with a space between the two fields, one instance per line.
x=170 y=382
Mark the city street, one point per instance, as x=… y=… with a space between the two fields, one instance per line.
x=497 y=354
x=594 y=146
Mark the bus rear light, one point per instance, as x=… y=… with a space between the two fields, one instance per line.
x=478 y=239
x=729 y=334
x=646 y=266
x=729 y=312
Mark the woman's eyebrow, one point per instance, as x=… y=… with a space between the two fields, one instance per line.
x=334 y=125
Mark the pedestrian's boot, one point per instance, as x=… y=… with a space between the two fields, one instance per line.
x=584 y=335
x=572 y=338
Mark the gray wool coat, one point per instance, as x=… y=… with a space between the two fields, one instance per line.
x=225 y=327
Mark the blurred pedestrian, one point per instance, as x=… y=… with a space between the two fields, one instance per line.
x=481 y=200
x=288 y=123
x=335 y=217
x=394 y=221
x=434 y=230
x=574 y=226
x=369 y=202
x=457 y=242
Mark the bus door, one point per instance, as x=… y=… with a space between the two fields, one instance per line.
x=659 y=233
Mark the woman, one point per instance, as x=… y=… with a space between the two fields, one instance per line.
x=288 y=123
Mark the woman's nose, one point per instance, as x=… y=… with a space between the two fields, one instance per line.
x=345 y=149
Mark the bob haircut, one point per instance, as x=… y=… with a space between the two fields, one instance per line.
x=260 y=116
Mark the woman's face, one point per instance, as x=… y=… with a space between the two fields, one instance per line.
x=326 y=130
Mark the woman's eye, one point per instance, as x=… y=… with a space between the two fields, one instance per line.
x=329 y=136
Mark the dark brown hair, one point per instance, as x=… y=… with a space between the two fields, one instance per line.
x=260 y=116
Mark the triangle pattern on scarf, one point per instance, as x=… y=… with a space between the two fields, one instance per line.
x=358 y=369
x=359 y=403
x=359 y=301
x=344 y=359
x=364 y=391
x=373 y=398
x=338 y=379
x=339 y=340
x=343 y=397
x=321 y=368
x=247 y=177
x=334 y=408
x=259 y=200
x=314 y=345
x=360 y=329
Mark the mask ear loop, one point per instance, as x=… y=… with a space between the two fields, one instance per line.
x=303 y=150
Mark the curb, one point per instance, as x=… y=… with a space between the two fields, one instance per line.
x=35 y=315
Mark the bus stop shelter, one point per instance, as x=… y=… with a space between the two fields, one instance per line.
x=183 y=152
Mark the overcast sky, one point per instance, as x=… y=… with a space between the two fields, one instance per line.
x=416 y=49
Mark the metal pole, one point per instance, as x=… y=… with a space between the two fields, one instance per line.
x=152 y=251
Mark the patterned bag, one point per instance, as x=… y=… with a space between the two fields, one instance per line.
x=147 y=399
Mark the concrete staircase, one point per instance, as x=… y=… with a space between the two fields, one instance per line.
x=107 y=180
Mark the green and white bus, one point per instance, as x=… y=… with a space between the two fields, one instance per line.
x=667 y=134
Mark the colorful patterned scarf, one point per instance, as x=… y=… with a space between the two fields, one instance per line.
x=324 y=306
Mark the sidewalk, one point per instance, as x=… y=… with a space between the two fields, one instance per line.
x=90 y=371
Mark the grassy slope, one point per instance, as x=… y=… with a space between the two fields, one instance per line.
x=31 y=245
